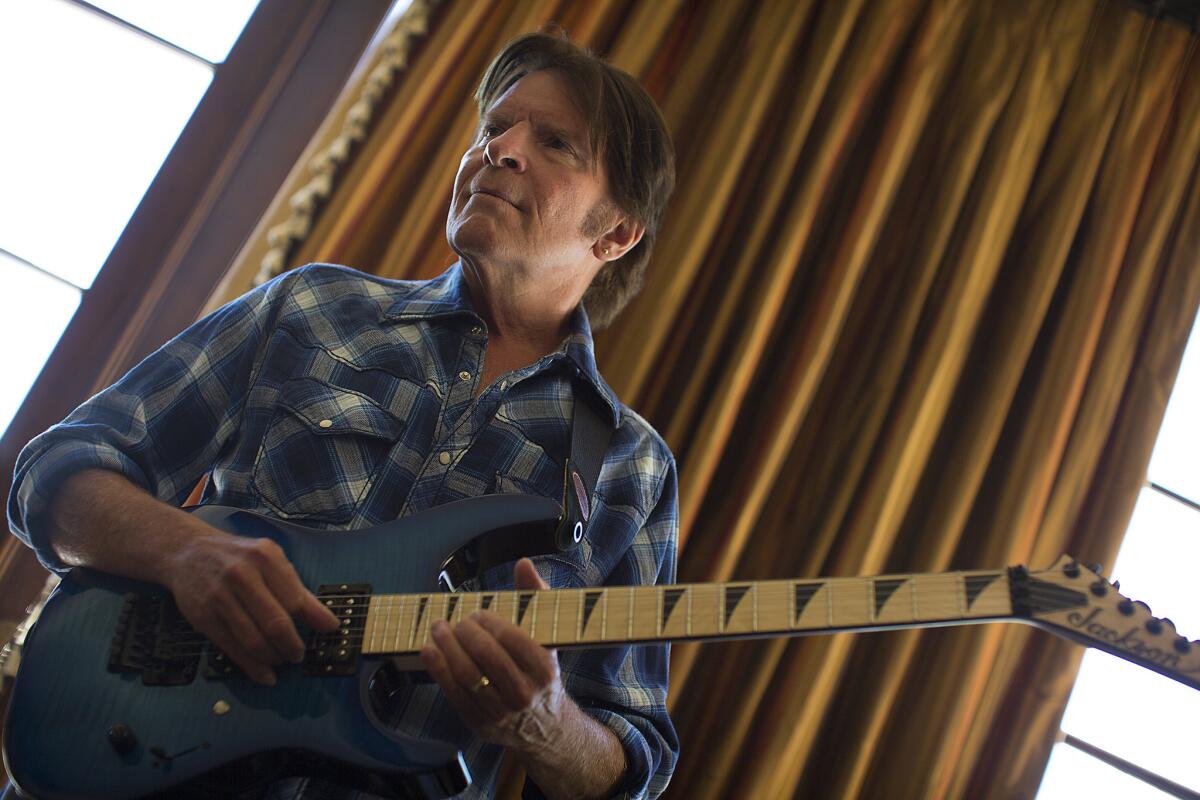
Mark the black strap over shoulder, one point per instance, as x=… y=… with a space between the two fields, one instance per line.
x=590 y=437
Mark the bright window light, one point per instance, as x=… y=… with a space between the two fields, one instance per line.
x=207 y=28
x=1073 y=774
x=34 y=309
x=1131 y=712
x=1123 y=708
x=91 y=110
x=1173 y=464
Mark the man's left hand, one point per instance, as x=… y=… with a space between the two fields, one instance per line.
x=504 y=684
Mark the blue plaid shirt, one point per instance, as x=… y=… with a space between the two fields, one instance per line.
x=343 y=400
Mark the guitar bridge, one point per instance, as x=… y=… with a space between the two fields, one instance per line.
x=337 y=653
x=151 y=638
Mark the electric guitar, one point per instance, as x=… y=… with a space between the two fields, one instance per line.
x=117 y=697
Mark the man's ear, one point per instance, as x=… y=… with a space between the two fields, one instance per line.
x=619 y=239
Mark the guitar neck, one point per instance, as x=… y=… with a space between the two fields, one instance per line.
x=399 y=624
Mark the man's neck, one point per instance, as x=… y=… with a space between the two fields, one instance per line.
x=524 y=311
x=525 y=321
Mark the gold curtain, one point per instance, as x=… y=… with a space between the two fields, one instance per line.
x=917 y=306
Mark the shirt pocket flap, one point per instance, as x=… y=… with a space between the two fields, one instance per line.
x=330 y=410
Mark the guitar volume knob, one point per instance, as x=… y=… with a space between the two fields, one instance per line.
x=121 y=737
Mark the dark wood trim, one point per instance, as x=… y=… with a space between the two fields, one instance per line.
x=265 y=104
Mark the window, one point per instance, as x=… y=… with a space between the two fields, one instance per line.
x=94 y=97
x=1121 y=709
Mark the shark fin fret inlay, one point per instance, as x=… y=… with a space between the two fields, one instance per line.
x=589 y=604
x=451 y=603
x=670 y=599
x=485 y=602
x=804 y=593
x=421 y=603
x=733 y=596
x=523 y=600
x=884 y=589
x=975 y=584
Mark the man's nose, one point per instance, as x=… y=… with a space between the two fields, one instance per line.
x=506 y=150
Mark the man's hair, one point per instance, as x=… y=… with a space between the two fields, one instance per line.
x=626 y=130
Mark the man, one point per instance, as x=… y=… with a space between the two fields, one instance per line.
x=343 y=401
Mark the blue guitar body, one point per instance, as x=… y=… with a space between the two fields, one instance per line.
x=78 y=728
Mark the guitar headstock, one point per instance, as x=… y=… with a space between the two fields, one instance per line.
x=1076 y=602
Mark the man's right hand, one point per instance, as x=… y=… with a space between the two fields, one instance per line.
x=239 y=592
x=242 y=594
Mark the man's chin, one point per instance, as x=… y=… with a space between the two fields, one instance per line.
x=475 y=242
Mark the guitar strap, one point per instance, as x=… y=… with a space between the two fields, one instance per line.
x=590 y=437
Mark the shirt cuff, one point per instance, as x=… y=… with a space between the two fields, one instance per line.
x=29 y=503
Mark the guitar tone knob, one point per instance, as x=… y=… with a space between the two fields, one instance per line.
x=121 y=737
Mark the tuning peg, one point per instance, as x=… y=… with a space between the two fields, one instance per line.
x=1116 y=585
x=1096 y=568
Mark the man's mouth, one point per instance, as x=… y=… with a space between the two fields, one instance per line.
x=497 y=196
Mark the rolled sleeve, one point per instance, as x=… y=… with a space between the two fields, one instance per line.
x=640 y=761
x=38 y=477
x=160 y=425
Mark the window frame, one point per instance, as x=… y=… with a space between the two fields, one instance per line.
x=265 y=103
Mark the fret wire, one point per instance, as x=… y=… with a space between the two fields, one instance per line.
x=629 y=633
x=961 y=586
x=791 y=601
x=554 y=624
x=754 y=607
x=579 y=615
x=829 y=602
x=412 y=626
x=533 y=601
x=689 y=593
x=604 y=616
x=912 y=592
x=658 y=615
x=387 y=644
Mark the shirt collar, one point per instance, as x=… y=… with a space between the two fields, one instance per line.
x=447 y=295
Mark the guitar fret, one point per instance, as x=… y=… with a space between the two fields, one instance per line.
x=604 y=615
x=754 y=607
x=554 y=627
x=629 y=632
x=579 y=619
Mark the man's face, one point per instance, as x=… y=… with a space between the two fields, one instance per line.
x=527 y=192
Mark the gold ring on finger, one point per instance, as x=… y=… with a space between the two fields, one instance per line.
x=481 y=684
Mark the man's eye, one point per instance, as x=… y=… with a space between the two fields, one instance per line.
x=558 y=144
x=488 y=131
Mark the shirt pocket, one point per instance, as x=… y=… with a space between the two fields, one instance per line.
x=322 y=451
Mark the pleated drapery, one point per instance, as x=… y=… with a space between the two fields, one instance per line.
x=918 y=304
